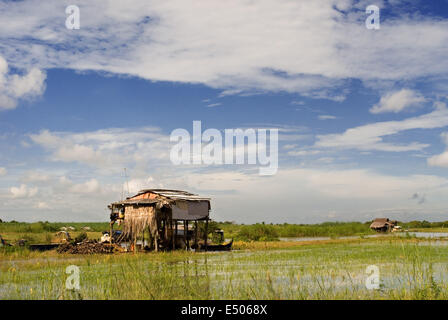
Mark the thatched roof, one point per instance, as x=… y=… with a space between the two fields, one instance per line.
x=381 y=223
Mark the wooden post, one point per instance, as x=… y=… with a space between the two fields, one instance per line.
x=156 y=241
x=206 y=233
x=150 y=238
x=111 y=227
x=175 y=233
x=172 y=233
x=185 y=234
x=157 y=233
x=166 y=230
x=196 y=234
x=111 y=230
x=162 y=230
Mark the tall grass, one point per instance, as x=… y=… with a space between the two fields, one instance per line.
x=408 y=270
x=263 y=232
x=257 y=232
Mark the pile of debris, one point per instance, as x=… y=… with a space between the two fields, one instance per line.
x=87 y=247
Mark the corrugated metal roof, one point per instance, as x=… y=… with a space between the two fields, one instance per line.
x=174 y=194
x=167 y=191
x=138 y=201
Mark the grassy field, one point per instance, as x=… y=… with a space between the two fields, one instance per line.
x=45 y=232
x=42 y=232
x=260 y=267
x=331 y=269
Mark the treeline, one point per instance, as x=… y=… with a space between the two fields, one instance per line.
x=45 y=226
x=269 y=232
x=423 y=224
x=252 y=232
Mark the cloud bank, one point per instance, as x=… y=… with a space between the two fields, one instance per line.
x=14 y=87
x=398 y=101
x=306 y=47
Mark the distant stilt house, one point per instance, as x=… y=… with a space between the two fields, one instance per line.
x=383 y=224
x=170 y=218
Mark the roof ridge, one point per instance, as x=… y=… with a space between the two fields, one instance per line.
x=166 y=192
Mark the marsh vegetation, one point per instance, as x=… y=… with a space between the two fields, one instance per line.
x=334 y=269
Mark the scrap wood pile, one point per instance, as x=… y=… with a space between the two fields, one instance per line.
x=88 y=247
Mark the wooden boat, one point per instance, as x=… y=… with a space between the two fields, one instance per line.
x=43 y=247
x=218 y=247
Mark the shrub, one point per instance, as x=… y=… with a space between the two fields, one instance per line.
x=257 y=232
x=81 y=237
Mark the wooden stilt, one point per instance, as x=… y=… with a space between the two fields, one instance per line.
x=150 y=238
x=167 y=236
x=175 y=231
x=196 y=234
x=156 y=241
x=173 y=236
x=185 y=233
x=111 y=230
x=206 y=233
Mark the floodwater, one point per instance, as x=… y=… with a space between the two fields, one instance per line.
x=429 y=235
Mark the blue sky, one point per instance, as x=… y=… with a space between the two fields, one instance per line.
x=362 y=114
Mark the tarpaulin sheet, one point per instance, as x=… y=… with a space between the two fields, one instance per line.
x=190 y=210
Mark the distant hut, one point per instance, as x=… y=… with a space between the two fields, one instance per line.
x=382 y=224
x=160 y=211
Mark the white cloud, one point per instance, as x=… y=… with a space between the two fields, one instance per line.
x=35 y=176
x=111 y=150
x=23 y=191
x=440 y=160
x=290 y=146
x=42 y=205
x=303 y=152
x=14 y=87
x=137 y=184
x=90 y=186
x=305 y=195
x=326 y=117
x=307 y=47
x=352 y=183
x=108 y=149
x=398 y=101
x=326 y=160
x=370 y=136
x=301 y=195
x=3 y=171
